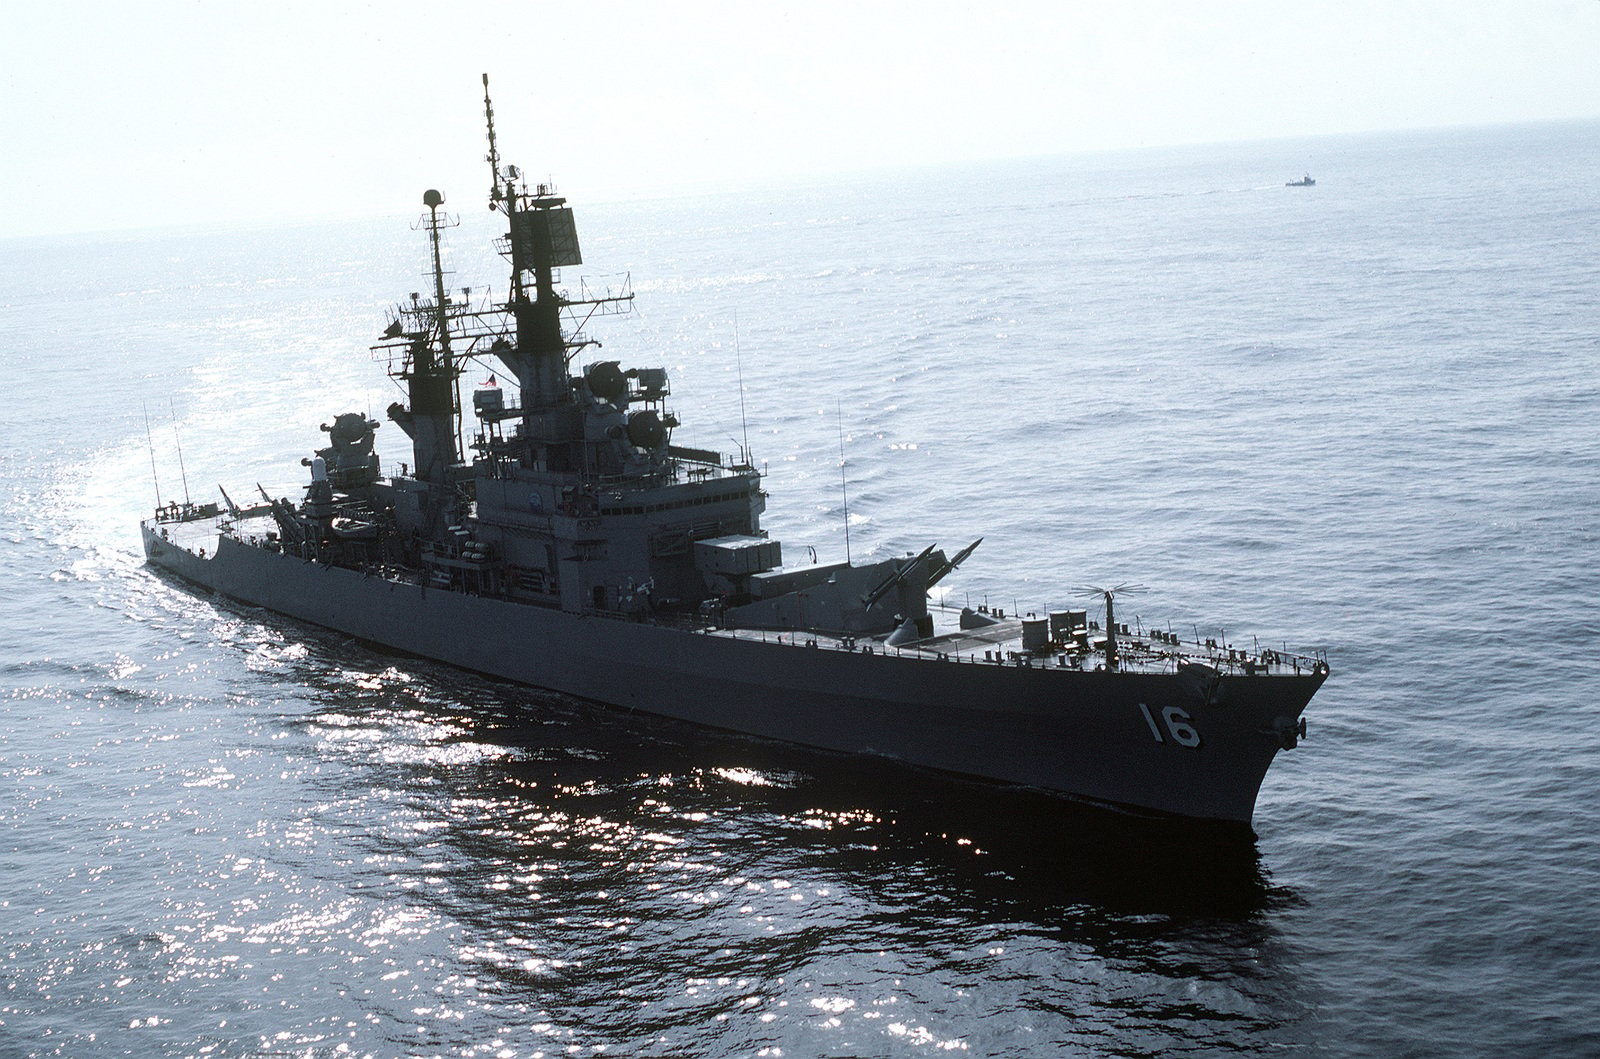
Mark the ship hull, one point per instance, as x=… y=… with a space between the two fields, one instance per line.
x=1159 y=742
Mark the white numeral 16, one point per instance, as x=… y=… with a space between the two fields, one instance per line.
x=1178 y=727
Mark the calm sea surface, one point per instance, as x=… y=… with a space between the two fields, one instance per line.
x=1360 y=417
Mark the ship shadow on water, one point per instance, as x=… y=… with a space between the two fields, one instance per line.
x=1014 y=846
x=935 y=857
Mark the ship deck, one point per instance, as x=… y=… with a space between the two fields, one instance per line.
x=1002 y=643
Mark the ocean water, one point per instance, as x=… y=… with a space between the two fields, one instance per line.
x=1359 y=418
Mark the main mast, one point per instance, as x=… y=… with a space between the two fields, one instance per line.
x=544 y=324
x=542 y=237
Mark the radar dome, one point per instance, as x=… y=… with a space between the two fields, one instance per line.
x=646 y=430
x=606 y=380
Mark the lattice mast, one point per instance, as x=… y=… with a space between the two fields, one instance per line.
x=429 y=368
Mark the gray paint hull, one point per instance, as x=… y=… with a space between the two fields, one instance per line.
x=1090 y=735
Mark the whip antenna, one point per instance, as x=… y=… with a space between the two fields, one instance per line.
x=738 y=360
x=178 y=442
x=151 y=441
x=843 y=492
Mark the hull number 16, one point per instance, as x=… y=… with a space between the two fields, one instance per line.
x=1177 y=725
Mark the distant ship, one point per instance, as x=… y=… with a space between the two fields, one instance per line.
x=570 y=544
x=1303 y=182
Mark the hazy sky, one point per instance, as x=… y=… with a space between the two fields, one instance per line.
x=123 y=114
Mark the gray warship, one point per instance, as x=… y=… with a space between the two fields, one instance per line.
x=569 y=544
